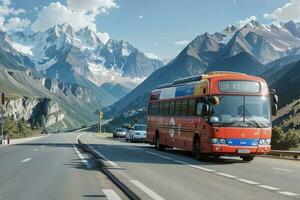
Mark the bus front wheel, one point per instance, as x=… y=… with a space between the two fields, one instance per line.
x=158 y=146
x=247 y=158
x=197 y=151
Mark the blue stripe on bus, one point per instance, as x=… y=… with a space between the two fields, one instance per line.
x=242 y=142
x=185 y=90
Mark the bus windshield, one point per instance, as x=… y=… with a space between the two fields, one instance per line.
x=242 y=110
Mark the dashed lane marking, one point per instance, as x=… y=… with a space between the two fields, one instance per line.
x=268 y=187
x=291 y=194
x=111 y=194
x=26 y=160
x=282 y=169
x=247 y=181
x=226 y=175
x=147 y=190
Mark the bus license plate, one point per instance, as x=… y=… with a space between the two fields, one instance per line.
x=243 y=151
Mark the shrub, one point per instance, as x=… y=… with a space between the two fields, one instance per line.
x=285 y=140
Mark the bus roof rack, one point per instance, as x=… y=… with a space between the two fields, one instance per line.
x=164 y=85
x=187 y=79
x=223 y=72
x=196 y=78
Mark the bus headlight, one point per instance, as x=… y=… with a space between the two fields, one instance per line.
x=262 y=141
x=222 y=141
x=218 y=141
x=214 y=141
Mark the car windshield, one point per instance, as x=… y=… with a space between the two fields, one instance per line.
x=242 y=110
x=120 y=129
x=140 y=127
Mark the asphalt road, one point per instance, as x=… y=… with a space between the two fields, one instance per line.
x=52 y=167
x=174 y=174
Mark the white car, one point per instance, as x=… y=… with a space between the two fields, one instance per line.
x=137 y=133
x=119 y=132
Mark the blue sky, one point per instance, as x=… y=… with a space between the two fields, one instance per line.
x=161 y=27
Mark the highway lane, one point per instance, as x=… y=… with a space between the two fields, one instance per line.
x=176 y=175
x=50 y=168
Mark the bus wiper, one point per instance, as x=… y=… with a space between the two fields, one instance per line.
x=255 y=123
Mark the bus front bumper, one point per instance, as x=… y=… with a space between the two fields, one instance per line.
x=219 y=149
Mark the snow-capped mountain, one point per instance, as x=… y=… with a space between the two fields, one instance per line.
x=81 y=57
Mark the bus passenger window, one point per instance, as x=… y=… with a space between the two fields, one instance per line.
x=184 y=107
x=161 y=108
x=166 y=108
x=199 y=108
x=177 y=107
x=191 y=107
x=172 y=108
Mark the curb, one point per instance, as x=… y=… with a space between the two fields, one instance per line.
x=129 y=193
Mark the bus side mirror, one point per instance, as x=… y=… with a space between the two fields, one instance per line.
x=274 y=109
x=275 y=99
x=205 y=110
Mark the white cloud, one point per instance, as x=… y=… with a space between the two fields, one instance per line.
x=141 y=16
x=289 y=11
x=241 y=23
x=8 y=21
x=17 y=24
x=152 y=56
x=181 y=42
x=77 y=13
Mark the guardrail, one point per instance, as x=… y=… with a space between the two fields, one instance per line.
x=281 y=153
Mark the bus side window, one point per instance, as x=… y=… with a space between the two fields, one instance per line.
x=172 y=108
x=199 y=107
x=161 y=108
x=191 y=107
x=177 y=107
x=184 y=107
x=166 y=108
x=150 y=109
x=155 y=109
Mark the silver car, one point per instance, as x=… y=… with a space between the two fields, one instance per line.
x=137 y=133
x=119 y=132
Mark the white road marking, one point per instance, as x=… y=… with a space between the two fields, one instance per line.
x=226 y=175
x=166 y=157
x=268 y=187
x=288 y=193
x=82 y=158
x=43 y=146
x=147 y=190
x=201 y=168
x=35 y=149
x=111 y=195
x=155 y=154
x=247 y=181
x=106 y=159
x=282 y=169
x=26 y=160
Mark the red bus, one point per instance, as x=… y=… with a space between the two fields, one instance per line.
x=215 y=114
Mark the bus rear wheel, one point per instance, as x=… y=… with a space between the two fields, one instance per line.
x=197 y=151
x=247 y=158
x=158 y=146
